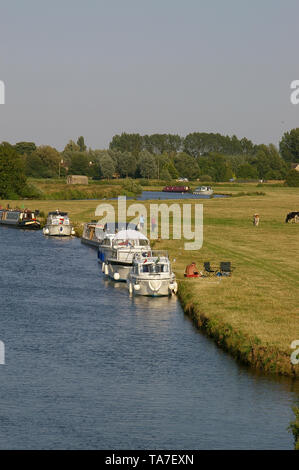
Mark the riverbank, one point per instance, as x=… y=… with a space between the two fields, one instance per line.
x=294 y=427
x=254 y=313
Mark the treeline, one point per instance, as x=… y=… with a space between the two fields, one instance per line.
x=165 y=156
x=203 y=156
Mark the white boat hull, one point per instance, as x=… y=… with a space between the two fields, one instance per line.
x=58 y=230
x=117 y=272
x=203 y=193
x=151 y=287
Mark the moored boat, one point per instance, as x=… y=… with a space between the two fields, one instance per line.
x=23 y=219
x=125 y=245
x=58 y=225
x=203 y=191
x=105 y=235
x=176 y=189
x=89 y=236
x=152 y=275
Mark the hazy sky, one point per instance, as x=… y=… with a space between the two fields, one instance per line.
x=100 y=67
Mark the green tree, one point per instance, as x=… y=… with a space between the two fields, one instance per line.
x=186 y=166
x=289 y=146
x=79 y=164
x=107 y=166
x=247 y=171
x=23 y=148
x=147 y=165
x=126 y=164
x=165 y=175
x=43 y=162
x=81 y=144
x=12 y=174
x=71 y=146
x=269 y=163
x=131 y=143
x=216 y=166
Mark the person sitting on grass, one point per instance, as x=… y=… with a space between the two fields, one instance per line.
x=191 y=270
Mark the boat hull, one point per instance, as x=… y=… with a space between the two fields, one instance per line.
x=118 y=271
x=58 y=230
x=28 y=225
x=203 y=193
x=93 y=243
x=151 y=288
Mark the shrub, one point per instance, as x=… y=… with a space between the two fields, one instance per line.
x=292 y=178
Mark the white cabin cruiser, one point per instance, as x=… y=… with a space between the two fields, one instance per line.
x=152 y=275
x=106 y=233
x=125 y=245
x=203 y=191
x=58 y=224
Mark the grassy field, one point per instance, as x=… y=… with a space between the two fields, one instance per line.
x=57 y=189
x=255 y=313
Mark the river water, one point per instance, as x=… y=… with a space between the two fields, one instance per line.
x=88 y=367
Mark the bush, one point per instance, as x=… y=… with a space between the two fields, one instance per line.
x=206 y=178
x=292 y=178
x=132 y=186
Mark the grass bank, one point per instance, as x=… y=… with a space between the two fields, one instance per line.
x=294 y=427
x=254 y=314
x=58 y=189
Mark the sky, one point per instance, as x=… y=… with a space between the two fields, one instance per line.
x=102 y=67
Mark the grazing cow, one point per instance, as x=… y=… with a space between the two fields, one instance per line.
x=293 y=216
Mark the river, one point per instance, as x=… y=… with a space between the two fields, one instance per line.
x=87 y=367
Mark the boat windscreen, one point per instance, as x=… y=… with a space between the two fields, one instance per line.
x=111 y=227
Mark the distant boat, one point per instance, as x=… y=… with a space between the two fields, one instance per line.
x=24 y=219
x=58 y=225
x=176 y=189
x=203 y=191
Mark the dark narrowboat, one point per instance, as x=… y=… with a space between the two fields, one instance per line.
x=24 y=219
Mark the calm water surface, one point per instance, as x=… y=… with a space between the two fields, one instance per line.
x=88 y=367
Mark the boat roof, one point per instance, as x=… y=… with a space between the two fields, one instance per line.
x=58 y=213
x=129 y=235
x=114 y=227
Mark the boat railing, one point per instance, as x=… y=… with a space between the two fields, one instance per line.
x=152 y=254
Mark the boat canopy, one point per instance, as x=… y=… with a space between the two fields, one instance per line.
x=129 y=235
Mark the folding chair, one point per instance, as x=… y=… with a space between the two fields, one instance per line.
x=208 y=269
x=226 y=268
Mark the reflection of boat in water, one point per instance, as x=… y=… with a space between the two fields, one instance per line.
x=105 y=234
x=152 y=275
x=24 y=219
x=124 y=246
x=58 y=225
x=203 y=191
